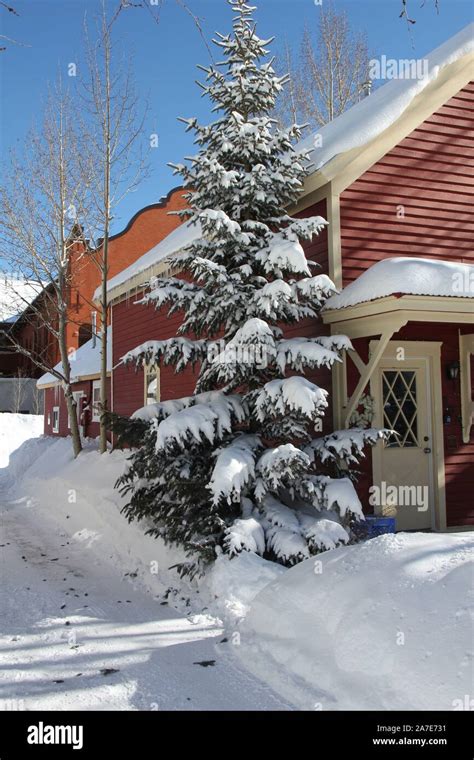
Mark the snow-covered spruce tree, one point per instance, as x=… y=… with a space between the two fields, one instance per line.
x=235 y=466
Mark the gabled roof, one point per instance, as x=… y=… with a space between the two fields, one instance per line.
x=407 y=276
x=360 y=125
x=85 y=364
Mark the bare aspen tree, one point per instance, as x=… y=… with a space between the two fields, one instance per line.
x=43 y=194
x=328 y=73
x=113 y=123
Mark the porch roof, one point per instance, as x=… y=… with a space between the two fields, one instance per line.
x=394 y=291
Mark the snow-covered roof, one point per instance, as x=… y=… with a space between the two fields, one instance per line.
x=407 y=276
x=170 y=245
x=15 y=295
x=84 y=363
x=354 y=128
x=374 y=114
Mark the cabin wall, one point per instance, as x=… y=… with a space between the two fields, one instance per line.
x=134 y=324
x=55 y=397
x=417 y=200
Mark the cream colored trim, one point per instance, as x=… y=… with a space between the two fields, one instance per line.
x=406 y=308
x=339 y=391
x=134 y=285
x=81 y=379
x=346 y=167
x=334 y=227
x=147 y=368
x=368 y=326
x=309 y=199
x=95 y=417
x=368 y=370
x=466 y=348
x=334 y=240
x=431 y=352
x=360 y=365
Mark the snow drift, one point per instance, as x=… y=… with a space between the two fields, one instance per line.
x=382 y=625
x=14 y=430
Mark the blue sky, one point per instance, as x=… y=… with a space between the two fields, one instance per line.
x=165 y=56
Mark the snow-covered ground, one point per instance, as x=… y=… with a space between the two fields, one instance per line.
x=86 y=620
x=384 y=625
x=14 y=429
x=92 y=616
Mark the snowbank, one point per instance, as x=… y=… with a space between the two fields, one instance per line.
x=77 y=497
x=232 y=584
x=382 y=625
x=14 y=430
x=407 y=275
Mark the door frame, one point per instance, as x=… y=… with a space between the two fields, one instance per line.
x=430 y=353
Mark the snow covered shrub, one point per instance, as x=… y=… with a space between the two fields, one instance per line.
x=235 y=466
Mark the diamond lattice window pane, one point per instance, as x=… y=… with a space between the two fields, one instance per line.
x=399 y=407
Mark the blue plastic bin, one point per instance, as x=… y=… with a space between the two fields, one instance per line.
x=376 y=525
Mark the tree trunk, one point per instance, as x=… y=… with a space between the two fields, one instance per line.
x=103 y=352
x=71 y=404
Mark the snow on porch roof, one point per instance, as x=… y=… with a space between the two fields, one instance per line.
x=407 y=276
x=374 y=114
x=85 y=364
x=170 y=245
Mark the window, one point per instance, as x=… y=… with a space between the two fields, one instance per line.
x=96 y=401
x=55 y=419
x=400 y=407
x=152 y=384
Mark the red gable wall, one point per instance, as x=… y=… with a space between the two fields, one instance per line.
x=430 y=174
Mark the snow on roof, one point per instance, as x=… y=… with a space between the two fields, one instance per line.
x=84 y=363
x=409 y=276
x=15 y=295
x=375 y=113
x=171 y=244
x=354 y=128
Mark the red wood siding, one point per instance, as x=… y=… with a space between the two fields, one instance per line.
x=55 y=397
x=430 y=174
x=134 y=324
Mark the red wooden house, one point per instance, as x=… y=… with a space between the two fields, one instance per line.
x=146 y=227
x=393 y=176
